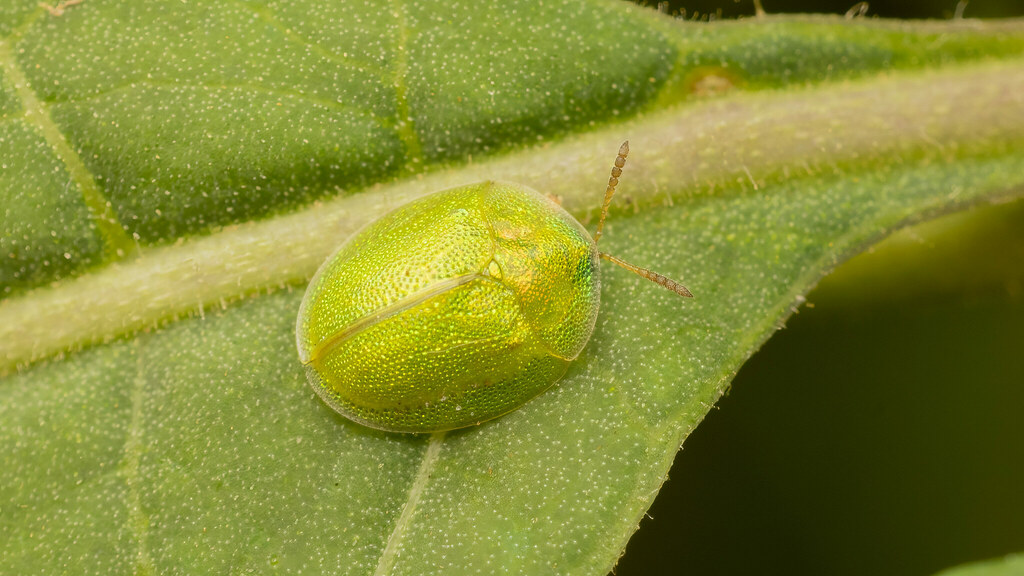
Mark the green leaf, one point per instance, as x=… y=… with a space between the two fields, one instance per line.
x=184 y=437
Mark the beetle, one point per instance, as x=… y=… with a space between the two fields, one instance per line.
x=455 y=308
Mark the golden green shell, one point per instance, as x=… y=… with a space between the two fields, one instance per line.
x=451 y=310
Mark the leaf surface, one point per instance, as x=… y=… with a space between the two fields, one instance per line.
x=184 y=437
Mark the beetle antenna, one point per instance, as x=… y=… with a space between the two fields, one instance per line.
x=620 y=161
x=650 y=275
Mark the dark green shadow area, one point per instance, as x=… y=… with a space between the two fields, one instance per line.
x=880 y=433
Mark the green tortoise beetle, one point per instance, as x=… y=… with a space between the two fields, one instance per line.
x=455 y=308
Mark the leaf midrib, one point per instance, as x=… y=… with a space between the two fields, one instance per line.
x=969 y=109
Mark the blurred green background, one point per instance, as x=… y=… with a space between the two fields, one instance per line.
x=881 y=431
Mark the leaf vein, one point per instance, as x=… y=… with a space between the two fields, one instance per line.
x=138 y=521
x=399 y=71
x=267 y=16
x=117 y=242
x=389 y=556
x=171 y=84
